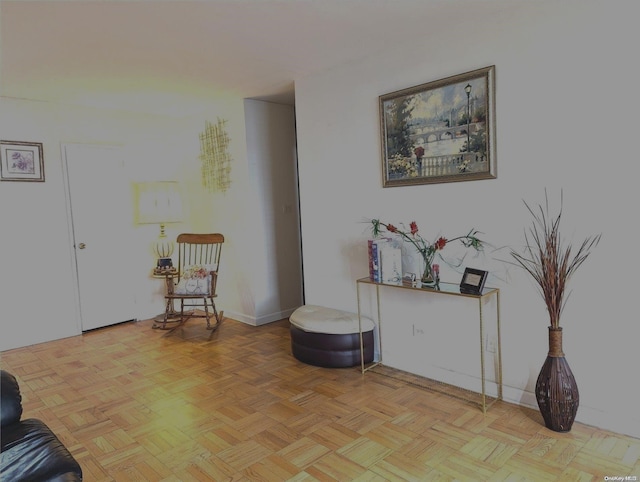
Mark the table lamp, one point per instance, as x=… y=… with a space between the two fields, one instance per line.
x=159 y=203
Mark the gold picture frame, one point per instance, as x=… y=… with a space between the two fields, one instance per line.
x=441 y=131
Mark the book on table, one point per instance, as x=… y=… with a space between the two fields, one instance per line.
x=385 y=260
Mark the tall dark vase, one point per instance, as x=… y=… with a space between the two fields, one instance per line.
x=556 y=388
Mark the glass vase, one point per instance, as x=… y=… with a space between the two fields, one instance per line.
x=427 y=274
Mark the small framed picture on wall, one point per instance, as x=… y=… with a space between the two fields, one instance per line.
x=21 y=161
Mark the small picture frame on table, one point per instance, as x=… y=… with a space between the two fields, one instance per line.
x=473 y=281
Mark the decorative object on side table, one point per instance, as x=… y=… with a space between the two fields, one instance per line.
x=551 y=263
x=164 y=263
x=473 y=281
x=435 y=269
x=165 y=271
x=426 y=249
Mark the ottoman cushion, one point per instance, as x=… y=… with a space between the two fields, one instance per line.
x=318 y=319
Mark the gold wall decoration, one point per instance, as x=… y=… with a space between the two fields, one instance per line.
x=215 y=157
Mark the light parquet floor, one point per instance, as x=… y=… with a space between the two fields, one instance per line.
x=136 y=404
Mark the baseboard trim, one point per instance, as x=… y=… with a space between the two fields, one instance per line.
x=262 y=320
x=620 y=423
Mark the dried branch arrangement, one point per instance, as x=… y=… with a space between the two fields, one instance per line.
x=549 y=260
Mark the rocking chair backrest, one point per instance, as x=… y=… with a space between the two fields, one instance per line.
x=199 y=249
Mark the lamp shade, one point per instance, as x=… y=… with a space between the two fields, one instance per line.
x=158 y=202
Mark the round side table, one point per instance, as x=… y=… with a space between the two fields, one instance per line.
x=172 y=316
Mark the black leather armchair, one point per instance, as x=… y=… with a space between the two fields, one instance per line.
x=30 y=450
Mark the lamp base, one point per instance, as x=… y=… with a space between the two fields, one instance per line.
x=165 y=263
x=163 y=247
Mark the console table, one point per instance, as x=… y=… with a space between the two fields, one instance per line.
x=443 y=289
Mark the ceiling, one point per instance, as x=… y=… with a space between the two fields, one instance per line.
x=166 y=56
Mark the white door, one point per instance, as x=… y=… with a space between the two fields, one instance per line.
x=102 y=221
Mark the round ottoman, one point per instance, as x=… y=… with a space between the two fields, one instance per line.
x=329 y=338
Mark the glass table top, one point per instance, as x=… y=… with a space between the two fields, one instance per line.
x=441 y=287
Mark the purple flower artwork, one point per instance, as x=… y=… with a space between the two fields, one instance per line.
x=21 y=162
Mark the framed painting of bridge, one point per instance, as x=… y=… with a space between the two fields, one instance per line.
x=441 y=131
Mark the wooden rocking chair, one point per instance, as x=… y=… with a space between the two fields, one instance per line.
x=197 y=278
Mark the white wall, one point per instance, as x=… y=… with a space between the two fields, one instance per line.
x=227 y=212
x=566 y=113
x=260 y=273
x=37 y=289
x=274 y=245
x=37 y=292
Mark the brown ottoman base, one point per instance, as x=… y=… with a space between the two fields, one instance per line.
x=330 y=350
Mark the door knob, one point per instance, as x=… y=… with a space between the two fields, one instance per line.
x=82 y=246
